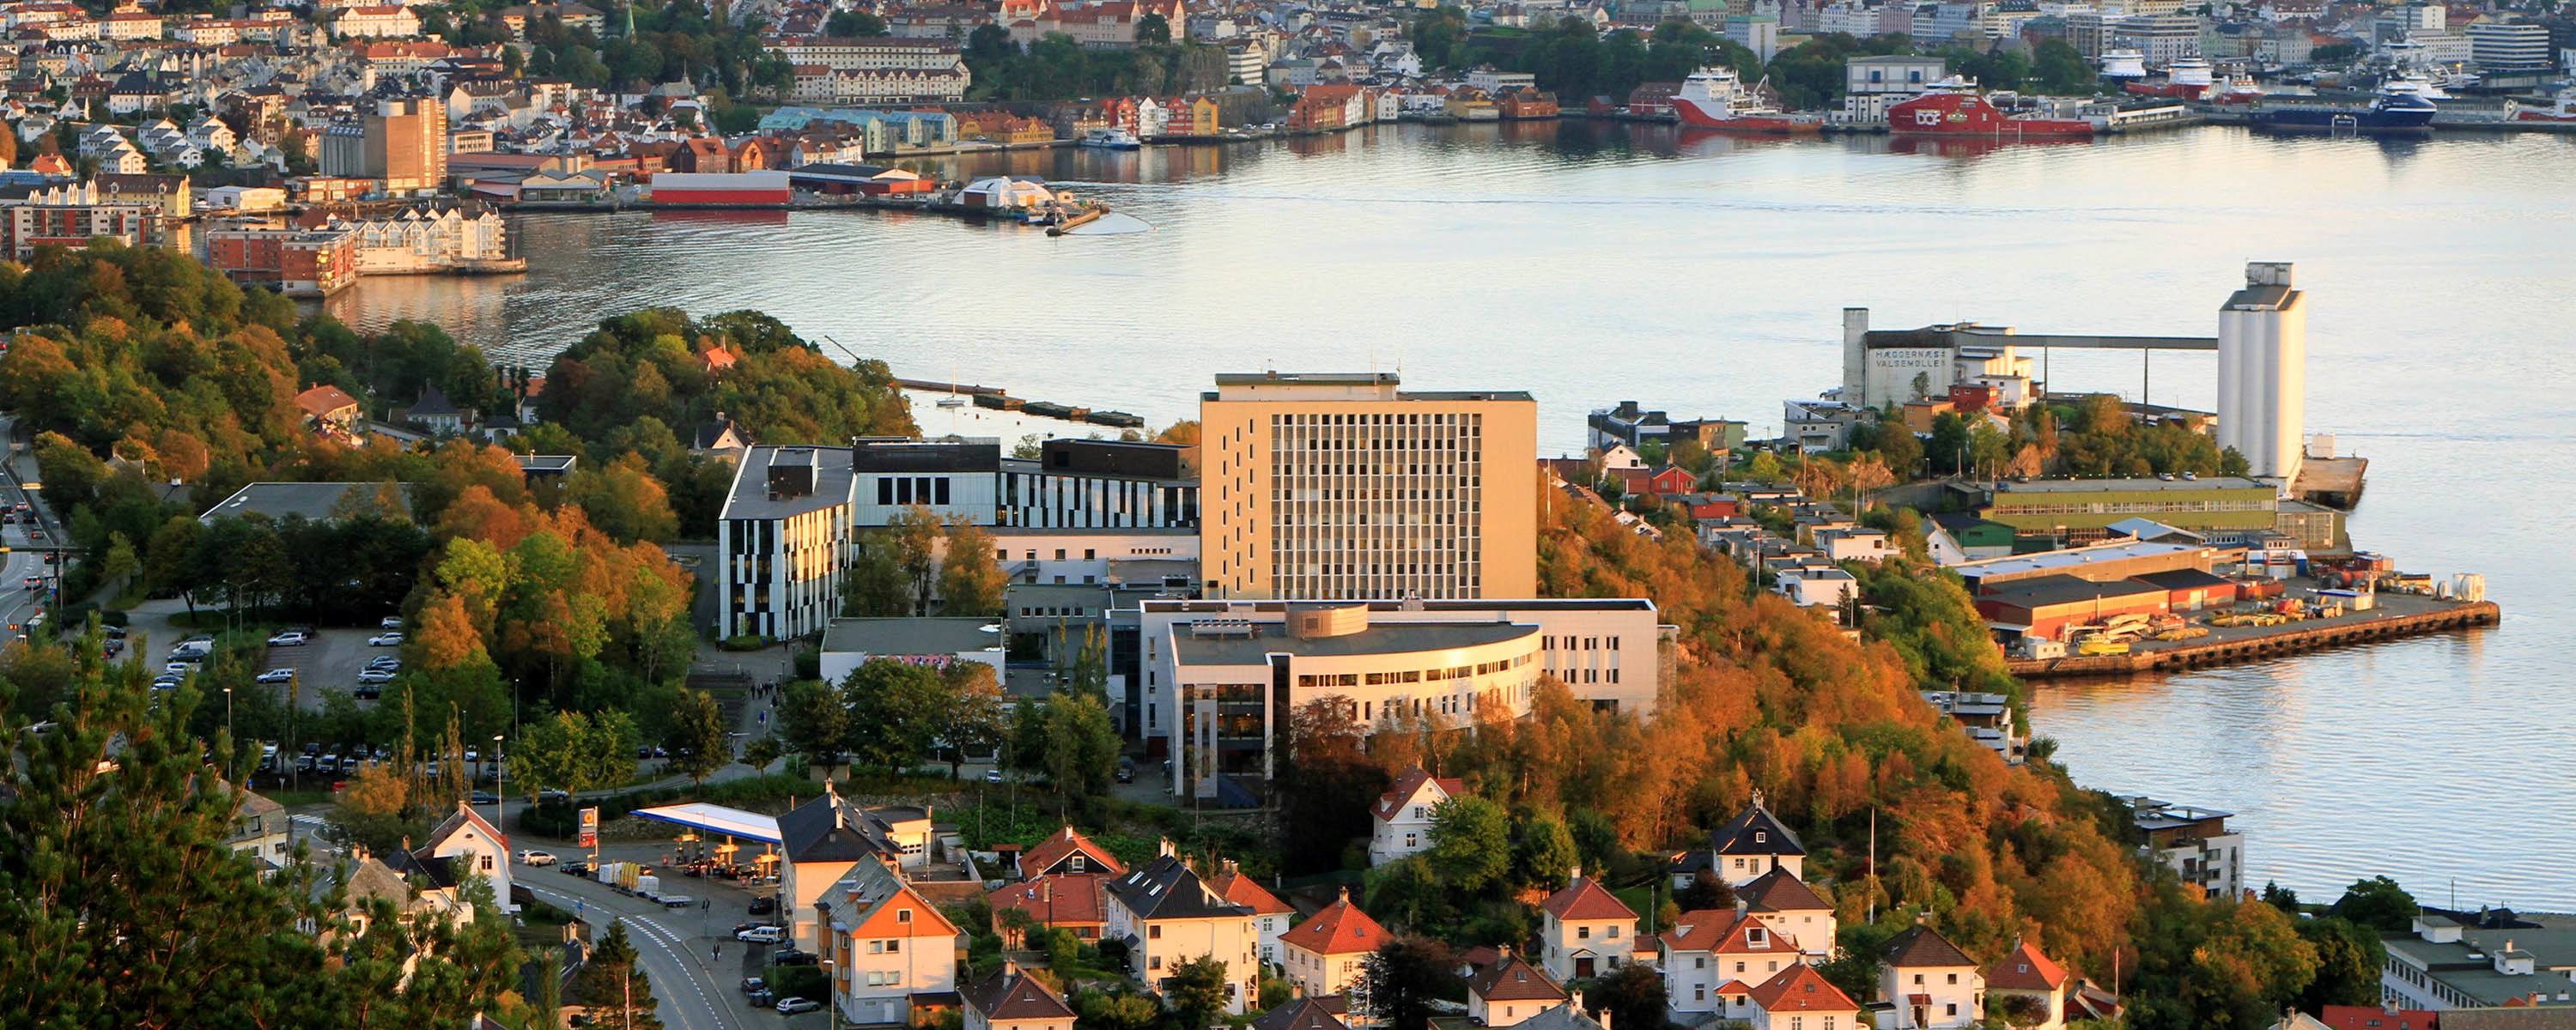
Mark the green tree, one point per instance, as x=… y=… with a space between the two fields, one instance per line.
x=1471 y=847
x=1081 y=749
x=853 y=24
x=1632 y=995
x=2378 y=903
x=970 y=579
x=896 y=708
x=1543 y=852
x=814 y=721
x=1404 y=978
x=2349 y=957
x=699 y=745
x=1596 y=839
x=1196 y=990
x=129 y=908
x=624 y=501
x=875 y=586
x=972 y=718
x=1154 y=30
x=613 y=985
x=2251 y=967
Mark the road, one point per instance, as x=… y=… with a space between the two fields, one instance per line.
x=20 y=603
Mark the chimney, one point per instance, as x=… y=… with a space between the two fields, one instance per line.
x=1346 y=899
x=1162 y=848
x=1923 y=917
x=1603 y=1018
x=1574 y=876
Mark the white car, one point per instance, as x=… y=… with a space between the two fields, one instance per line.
x=287 y=639
x=761 y=935
x=392 y=638
x=277 y=676
x=535 y=858
x=376 y=676
x=389 y=622
x=792 y=1006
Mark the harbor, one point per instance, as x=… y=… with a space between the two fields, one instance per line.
x=2391 y=617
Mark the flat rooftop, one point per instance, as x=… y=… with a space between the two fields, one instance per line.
x=926 y=636
x=2132 y=484
x=1539 y=604
x=750 y=498
x=1395 y=638
x=317 y=502
x=2071 y=558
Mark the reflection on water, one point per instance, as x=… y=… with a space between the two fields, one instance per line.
x=1705 y=275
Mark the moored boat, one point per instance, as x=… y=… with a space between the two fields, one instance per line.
x=2399 y=109
x=1714 y=99
x=1953 y=107
x=1111 y=139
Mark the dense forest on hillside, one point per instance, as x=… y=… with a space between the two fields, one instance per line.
x=1773 y=701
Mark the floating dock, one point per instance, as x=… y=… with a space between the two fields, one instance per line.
x=2389 y=622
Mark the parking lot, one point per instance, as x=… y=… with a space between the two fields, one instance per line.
x=327 y=663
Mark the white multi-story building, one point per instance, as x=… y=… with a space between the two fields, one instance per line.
x=2500 y=47
x=2195 y=842
x=841 y=53
x=2443 y=965
x=787 y=533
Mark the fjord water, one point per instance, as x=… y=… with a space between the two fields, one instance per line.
x=1706 y=275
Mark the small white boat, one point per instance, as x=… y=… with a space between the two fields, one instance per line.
x=1111 y=139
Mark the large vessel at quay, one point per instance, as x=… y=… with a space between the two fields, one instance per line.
x=1713 y=98
x=1953 y=107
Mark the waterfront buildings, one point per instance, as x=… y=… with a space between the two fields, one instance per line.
x=1342 y=486
x=400 y=142
x=2449 y=962
x=2195 y=842
x=69 y=215
x=1871 y=83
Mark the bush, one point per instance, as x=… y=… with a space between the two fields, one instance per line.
x=744 y=642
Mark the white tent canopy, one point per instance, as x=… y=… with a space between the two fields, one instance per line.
x=732 y=822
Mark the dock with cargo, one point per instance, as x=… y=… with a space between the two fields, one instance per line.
x=993 y=398
x=2393 y=617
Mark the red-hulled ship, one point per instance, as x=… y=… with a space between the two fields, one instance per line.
x=1712 y=98
x=1953 y=107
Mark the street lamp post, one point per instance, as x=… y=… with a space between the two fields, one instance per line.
x=831 y=1004
x=498 y=798
x=228 y=711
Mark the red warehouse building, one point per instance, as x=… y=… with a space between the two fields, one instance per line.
x=2045 y=606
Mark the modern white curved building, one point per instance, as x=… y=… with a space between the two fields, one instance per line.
x=1237 y=684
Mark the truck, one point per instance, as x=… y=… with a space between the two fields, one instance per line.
x=647 y=886
x=620 y=875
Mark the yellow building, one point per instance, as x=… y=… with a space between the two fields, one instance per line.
x=1204 y=120
x=1342 y=487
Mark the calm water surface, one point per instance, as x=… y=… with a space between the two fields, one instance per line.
x=1591 y=264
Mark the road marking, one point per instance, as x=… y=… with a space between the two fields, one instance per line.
x=655 y=934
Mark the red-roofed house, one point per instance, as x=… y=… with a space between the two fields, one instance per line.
x=1327 y=953
x=1510 y=991
x=329 y=407
x=1068 y=851
x=1402 y=823
x=1068 y=900
x=2372 y=1017
x=1711 y=949
x=1801 y=999
x=1586 y=932
x=715 y=361
x=1269 y=914
x=2027 y=974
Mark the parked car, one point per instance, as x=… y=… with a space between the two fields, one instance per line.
x=483 y=797
x=550 y=794
x=1126 y=770
x=753 y=984
x=277 y=676
x=792 y=956
x=992 y=776
x=764 y=905
x=368 y=691
x=392 y=638
x=165 y=681
x=375 y=676
x=290 y=638
x=761 y=935
x=536 y=858
x=793 y=1006
x=390 y=622
x=761 y=997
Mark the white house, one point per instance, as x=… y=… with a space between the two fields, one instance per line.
x=822 y=842
x=1712 y=957
x=1585 y=932
x=1402 y=817
x=1167 y=916
x=1328 y=953
x=1933 y=984
x=888 y=945
x=471 y=847
x=1270 y=915
x=1790 y=906
x=1800 y=998
x=2025 y=973
x=1510 y=991
x=1753 y=843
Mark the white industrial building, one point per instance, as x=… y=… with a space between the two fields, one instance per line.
x=2263 y=371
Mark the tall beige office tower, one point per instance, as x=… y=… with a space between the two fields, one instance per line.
x=1342 y=487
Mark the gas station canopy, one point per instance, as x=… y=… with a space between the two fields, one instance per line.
x=732 y=822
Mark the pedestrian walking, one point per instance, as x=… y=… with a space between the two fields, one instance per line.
x=719 y=953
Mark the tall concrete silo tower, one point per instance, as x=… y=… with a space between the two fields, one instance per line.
x=2263 y=371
